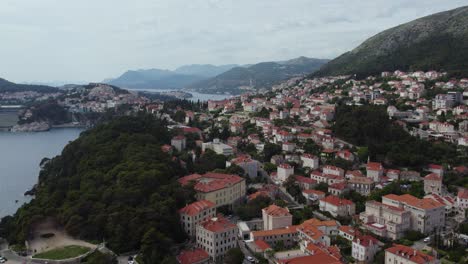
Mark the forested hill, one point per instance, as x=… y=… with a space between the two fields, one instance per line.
x=7 y=86
x=112 y=183
x=435 y=42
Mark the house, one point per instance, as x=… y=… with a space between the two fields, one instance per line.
x=393 y=174
x=375 y=171
x=337 y=206
x=385 y=220
x=364 y=248
x=333 y=170
x=313 y=196
x=194 y=213
x=193 y=256
x=310 y=161
x=433 y=184
x=338 y=188
x=348 y=232
x=221 y=189
x=361 y=185
x=448 y=201
x=353 y=174
x=326 y=178
x=275 y=217
x=426 y=214
x=216 y=236
x=346 y=155
x=179 y=142
x=284 y=171
x=407 y=255
x=305 y=183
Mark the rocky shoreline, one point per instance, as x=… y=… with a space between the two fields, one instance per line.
x=31 y=127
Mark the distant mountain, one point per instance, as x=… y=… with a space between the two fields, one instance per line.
x=205 y=70
x=7 y=86
x=258 y=75
x=435 y=42
x=166 y=79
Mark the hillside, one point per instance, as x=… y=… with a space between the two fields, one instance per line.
x=7 y=86
x=435 y=42
x=258 y=75
x=166 y=79
x=108 y=185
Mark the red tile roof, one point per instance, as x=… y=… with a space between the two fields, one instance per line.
x=375 y=166
x=410 y=254
x=262 y=245
x=316 y=192
x=433 y=177
x=303 y=179
x=463 y=194
x=321 y=258
x=425 y=203
x=366 y=240
x=335 y=200
x=196 y=207
x=192 y=256
x=275 y=210
x=217 y=224
x=338 y=186
x=211 y=181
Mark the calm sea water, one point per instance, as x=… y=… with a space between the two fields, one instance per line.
x=20 y=155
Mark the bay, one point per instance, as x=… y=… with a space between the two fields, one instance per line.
x=20 y=155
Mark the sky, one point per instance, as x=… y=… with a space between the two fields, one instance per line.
x=91 y=40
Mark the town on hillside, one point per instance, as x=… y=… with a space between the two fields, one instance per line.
x=308 y=173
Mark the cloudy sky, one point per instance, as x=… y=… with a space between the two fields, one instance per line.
x=90 y=40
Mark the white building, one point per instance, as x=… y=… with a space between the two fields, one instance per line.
x=364 y=248
x=194 y=213
x=216 y=236
x=337 y=206
x=406 y=255
x=275 y=217
x=310 y=161
x=178 y=142
x=284 y=171
x=218 y=147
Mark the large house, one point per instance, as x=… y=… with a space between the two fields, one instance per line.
x=194 y=213
x=218 y=147
x=364 y=248
x=375 y=171
x=216 y=236
x=385 y=220
x=221 y=189
x=433 y=184
x=426 y=214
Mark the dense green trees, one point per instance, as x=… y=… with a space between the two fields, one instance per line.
x=387 y=142
x=115 y=184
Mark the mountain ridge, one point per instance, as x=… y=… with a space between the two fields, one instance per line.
x=435 y=42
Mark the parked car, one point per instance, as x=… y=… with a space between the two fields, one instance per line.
x=251 y=259
x=427 y=240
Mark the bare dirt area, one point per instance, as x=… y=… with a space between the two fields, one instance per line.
x=48 y=236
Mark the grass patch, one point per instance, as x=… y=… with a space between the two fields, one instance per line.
x=63 y=253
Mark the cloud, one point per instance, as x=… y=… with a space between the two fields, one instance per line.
x=90 y=40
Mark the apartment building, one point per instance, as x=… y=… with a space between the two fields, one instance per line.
x=221 y=189
x=362 y=185
x=287 y=235
x=433 y=184
x=216 y=236
x=194 y=213
x=426 y=214
x=218 y=147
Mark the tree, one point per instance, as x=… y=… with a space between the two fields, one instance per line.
x=270 y=150
x=269 y=167
x=234 y=256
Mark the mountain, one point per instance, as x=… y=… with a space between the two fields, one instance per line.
x=205 y=70
x=258 y=75
x=7 y=86
x=435 y=42
x=166 y=79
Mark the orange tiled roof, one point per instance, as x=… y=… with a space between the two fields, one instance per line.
x=410 y=254
x=335 y=200
x=279 y=231
x=217 y=224
x=192 y=256
x=425 y=203
x=275 y=210
x=196 y=207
